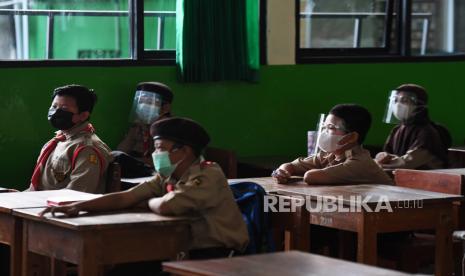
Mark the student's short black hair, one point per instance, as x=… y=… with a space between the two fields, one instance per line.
x=356 y=118
x=85 y=97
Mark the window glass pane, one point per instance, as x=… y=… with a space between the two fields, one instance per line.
x=342 y=23
x=437 y=27
x=159 y=24
x=66 y=29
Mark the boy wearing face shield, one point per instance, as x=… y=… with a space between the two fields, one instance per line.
x=416 y=142
x=75 y=158
x=184 y=185
x=152 y=102
x=341 y=158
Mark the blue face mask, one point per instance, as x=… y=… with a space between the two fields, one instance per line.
x=162 y=163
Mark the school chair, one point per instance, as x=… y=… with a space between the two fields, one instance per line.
x=226 y=159
x=409 y=255
x=113 y=181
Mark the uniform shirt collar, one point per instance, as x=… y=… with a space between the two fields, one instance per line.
x=74 y=130
x=193 y=169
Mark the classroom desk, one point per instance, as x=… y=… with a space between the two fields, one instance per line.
x=281 y=263
x=11 y=227
x=435 y=213
x=4 y=190
x=128 y=183
x=94 y=240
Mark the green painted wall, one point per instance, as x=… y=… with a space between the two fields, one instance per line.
x=268 y=118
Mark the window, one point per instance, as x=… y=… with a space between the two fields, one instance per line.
x=379 y=28
x=86 y=29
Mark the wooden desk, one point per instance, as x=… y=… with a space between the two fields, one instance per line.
x=270 y=184
x=11 y=227
x=436 y=213
x=282 y=263
x=128 y=183
x=4 y=190
x=93 y=240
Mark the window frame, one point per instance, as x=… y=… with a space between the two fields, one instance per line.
x=139 y=56
x=401 y=53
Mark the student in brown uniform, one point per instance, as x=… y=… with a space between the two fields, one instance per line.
x=342 y=158
x=416 y=142
x=152 y=102
x=75 y=158
x=183 y=185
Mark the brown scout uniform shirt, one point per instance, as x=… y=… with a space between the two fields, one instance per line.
x=202 y=191
x=133 y=142
x=138 y=143
x=86 y=176
x=356 y=166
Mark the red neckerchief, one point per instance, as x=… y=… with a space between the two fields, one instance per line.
x=45 y=154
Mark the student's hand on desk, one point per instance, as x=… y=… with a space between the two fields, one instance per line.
x=281 y=176
x=68 y=210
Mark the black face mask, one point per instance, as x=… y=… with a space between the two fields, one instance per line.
x=60 y=118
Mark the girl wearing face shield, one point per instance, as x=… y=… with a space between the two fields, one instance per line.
x=342 y=158
x=416 y=142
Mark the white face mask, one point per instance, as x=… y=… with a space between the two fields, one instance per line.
x=328 y=142
x=402 y=111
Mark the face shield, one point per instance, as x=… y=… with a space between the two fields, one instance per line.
x=400 y=107
x=146 y=107
x=330 y=132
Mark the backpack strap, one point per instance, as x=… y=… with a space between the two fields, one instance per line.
x=97 y=152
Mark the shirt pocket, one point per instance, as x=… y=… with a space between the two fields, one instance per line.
x=61 y=167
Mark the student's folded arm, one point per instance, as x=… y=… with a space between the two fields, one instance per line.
x=416 y=158
x=85 y=176
x=197 y=195
x=109 y=202
x=302 y=165
x=318 y=176
x=125 y=199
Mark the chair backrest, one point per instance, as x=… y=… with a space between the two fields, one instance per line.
x=436 y=181
x=113 y=181
x=249 y=197
x=226 y=159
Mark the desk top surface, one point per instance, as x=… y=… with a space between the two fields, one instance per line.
x=281 y=263
x=86 y=221
x=371 y=193
x=460 y=171
x=457 y=148
x=14 y=200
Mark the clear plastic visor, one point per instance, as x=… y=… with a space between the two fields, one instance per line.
x=399 y=107
x=145 y=107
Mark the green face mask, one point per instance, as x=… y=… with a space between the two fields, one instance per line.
x=163 y=164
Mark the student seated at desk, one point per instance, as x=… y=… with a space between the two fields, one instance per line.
x=416 y=142
x=75 y=158
x=184 y=185
x=152 y=102
x=342 y=158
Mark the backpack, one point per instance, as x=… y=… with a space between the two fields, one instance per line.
x=249 y=197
